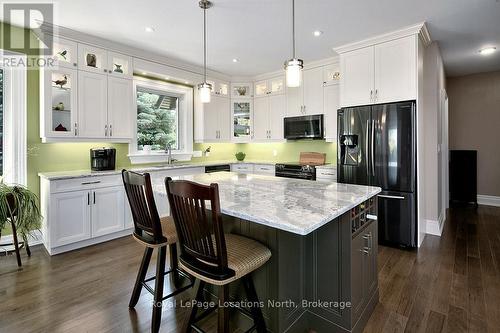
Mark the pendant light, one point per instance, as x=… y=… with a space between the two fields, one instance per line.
x=293 y=67
x=205 y=88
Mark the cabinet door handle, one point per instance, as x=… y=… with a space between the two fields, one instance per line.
x=105 y=130
x=76 y=129
x=94 y=198
x=88 y=198
x=110 y=130
x=376 y=94
x=371 y=95
x=364 y=250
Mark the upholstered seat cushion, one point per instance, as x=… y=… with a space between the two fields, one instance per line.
x=244 y=255
x=168 y=231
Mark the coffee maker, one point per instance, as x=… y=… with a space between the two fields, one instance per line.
x=102 y=159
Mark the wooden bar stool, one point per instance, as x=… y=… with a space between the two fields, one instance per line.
x=212 y=256
x=154 y=233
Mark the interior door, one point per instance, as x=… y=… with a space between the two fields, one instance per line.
x=393 y=147
x=354 y=141
x=92 y=105
x=261 y=118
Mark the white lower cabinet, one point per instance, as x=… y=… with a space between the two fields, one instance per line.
x=69 y=218
x=242 y=168
x=264 y=169
x=108 y=213
x=79 y=212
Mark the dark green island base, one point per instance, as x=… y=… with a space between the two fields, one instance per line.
x=325 y=281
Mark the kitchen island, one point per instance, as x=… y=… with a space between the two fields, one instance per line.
x=322 y=275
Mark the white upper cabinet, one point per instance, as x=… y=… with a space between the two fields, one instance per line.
x=58 y=103
x=92 y=59
x=219 y=88
x=121 y=115
x=331 y=74
x=241 y=90
x=357 y=77
x=119 y=65
x=294 y=101
x=313 y=91
x=214 y=118
x=274 y=86
x=331 y=105
x=65 y=53
x=268 y=118
x=277 y=110
x=92 y=105
x=382 y=73
x=241 y=120
x=396 y=70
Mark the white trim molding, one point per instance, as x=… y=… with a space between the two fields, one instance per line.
x=186 y=110
x=416 y=29
x=35 y=238
x=433 y=227
x=15 y=119
x=488 y=200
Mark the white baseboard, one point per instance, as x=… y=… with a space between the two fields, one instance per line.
x=34 y=239
x=488 y=200
x=435 y=227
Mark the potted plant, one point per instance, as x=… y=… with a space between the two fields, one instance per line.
x=20 y=202
x=240 y=156
x=146 y=140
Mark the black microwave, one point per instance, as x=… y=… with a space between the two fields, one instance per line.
x=304 y=127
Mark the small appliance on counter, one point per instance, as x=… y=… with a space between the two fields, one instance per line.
x=102 y=159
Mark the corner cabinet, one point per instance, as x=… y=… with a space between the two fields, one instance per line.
x=241 y=119
x=89 y=97
x=381 y=73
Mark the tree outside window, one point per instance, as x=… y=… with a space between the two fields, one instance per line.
x=157 y=120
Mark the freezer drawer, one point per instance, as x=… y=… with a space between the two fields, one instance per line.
x=397 y=219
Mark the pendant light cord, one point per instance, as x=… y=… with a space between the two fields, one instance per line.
x=293 y=27
x=205 y=45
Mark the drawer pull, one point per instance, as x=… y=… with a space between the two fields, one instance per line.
x=89 y=183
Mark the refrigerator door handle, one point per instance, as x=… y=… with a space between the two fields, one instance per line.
x=391 y=197
x=367 y=144
x=373 y=148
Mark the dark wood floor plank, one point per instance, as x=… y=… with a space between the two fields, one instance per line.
x=451 y=284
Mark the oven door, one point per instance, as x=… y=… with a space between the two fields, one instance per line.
x=304 y=127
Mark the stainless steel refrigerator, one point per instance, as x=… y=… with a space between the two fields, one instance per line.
x=377 y=146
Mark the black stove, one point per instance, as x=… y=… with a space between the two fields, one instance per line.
x=295 y=170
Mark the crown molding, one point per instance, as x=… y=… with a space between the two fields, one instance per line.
x=419 y=29
x=136 y=53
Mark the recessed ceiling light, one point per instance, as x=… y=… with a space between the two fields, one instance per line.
x=487 y=50
x=317 y=33
x=149 y=29
x=235 y=60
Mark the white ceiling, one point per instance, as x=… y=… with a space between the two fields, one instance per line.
x=258 y=32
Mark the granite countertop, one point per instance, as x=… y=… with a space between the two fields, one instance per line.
x=293 y=205
x=56 y=175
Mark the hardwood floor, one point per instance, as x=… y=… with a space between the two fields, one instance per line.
x=451 y=285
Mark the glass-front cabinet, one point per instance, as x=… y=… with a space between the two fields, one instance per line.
x=65 y=53
x=60 y=103
x=241 y=90
x=119 y=65
x=92 y=59
x=274 y=86
x=241 y=123
x=219 y=88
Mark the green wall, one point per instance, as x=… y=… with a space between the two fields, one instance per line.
x=45 y=157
